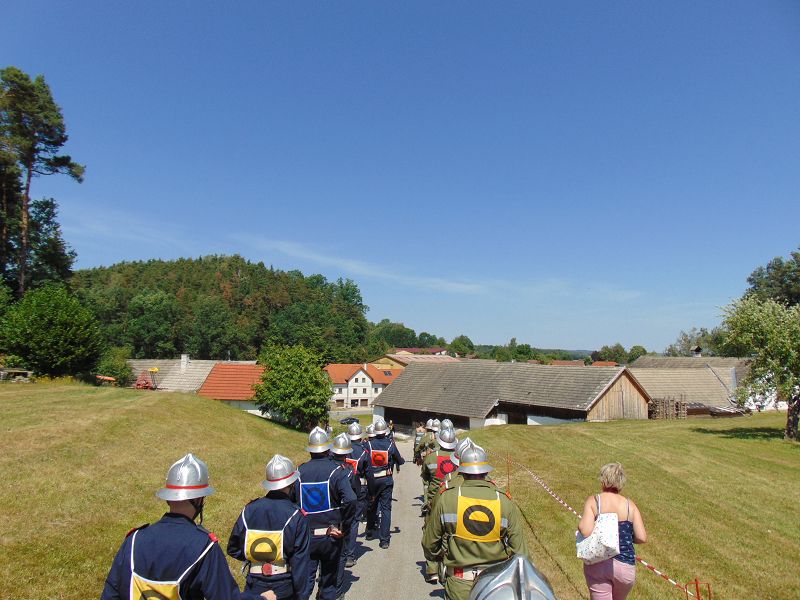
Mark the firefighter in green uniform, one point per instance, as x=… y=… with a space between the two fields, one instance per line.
x=436 y=467
x=472 y=526
x=424 y=443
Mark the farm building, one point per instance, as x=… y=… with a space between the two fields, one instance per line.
x=232 y=384
x=178 y=374
x=702 y=382
x=478 y=393
x=400 y=360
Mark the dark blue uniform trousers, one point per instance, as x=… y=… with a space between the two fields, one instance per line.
x=381 y=489
x=325 y=554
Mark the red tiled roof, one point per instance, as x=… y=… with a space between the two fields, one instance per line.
x=604 y=363
x=231 y=382
x=567 y=363
x=342 y=372
x=379 y=374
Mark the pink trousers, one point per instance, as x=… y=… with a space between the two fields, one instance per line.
x=609 y=580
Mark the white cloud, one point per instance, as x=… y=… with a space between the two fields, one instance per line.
x=359 y=267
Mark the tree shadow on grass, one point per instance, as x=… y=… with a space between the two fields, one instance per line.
x=745 y=433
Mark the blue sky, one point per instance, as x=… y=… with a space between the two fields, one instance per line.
x=569 y=173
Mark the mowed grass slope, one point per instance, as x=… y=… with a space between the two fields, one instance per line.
x=719 y=499
x=79 y=466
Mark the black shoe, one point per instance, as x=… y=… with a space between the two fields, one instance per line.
x=384 y=545
x=350 y=563
x=370 y=534
x=431 y=578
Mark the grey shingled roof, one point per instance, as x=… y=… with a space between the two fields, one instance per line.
x=470 y=389
x=730 y=370
x=171 y=378
x=695 y=386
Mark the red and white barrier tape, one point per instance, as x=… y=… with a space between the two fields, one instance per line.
x=558 y=499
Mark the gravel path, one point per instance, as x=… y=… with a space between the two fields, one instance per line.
x=398 y=571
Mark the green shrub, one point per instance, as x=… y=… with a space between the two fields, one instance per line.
x=114 y=364
x=52 y=332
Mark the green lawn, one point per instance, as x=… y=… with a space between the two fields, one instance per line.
x=719 y=499
x=80 y=465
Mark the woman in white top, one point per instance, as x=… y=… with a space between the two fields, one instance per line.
x=613 y=579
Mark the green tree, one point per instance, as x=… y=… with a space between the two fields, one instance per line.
x=32 y=130
x=616 y=353
x=779 y=280
x=53 y=332
x=635 y=352
x=396 y=335
x=114 y=363
x=213 y=332
x=772 y=331
x=294 y=387
x=710 y=342
x=152 y=326
x=461 y=346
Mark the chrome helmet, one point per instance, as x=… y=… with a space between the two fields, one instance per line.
x=473 y=460
x=371 y=431
x=512 y=579
x=355 y=432
x=380 y=427
x=456 y=457
x=341 y=444
x=446 y=424
x=436 y=424
x=447 y=439
x=429 y=425
x=280 y=473
x=318 y=441
x=187 y=479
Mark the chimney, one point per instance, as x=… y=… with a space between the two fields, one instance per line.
x=697 y=352
x=184 y=362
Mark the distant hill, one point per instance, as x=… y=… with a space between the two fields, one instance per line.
x=220 y=307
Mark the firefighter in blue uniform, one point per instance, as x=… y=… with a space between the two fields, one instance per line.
x=174 y=557
x=328 y=501
x=341 y=450
x=359 y=460
x=384 y=457
x=271 y=536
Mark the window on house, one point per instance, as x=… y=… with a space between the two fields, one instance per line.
x=387 y=373
x=364 y=391
x=340 y=403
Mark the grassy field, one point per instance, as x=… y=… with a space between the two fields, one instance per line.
x=79 y=467
x=718 y=497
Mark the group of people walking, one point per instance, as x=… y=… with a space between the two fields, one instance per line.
x=301 y=533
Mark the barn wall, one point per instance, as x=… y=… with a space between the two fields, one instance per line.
x=623 y=400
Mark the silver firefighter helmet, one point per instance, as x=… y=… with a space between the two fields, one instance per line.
x=354 y=431
x=512 y=579
x=381 y=428
x=456 y=457
x=186 y=479
x=447 y=439
x=280 y=473
x=473 y=460
x=437 y=424
x=371 y=431
x=446 y=424
x=341 y=444
x=318 y=441
x=429 y=424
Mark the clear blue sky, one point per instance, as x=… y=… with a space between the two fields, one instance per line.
x=569 y=173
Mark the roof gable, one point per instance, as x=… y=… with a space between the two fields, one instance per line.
x=231 y=382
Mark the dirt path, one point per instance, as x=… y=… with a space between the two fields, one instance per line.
x=397 y=571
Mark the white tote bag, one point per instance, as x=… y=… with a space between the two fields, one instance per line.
x=603 y=543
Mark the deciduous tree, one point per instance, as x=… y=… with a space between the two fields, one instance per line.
x=294 y=387
x=779 y=280
x=772 y=331
x=53 y=332
x=461 y=346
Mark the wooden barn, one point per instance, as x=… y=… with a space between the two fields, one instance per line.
x=479 y=393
